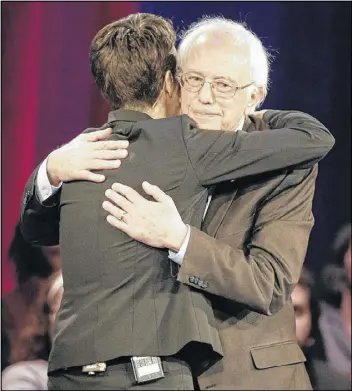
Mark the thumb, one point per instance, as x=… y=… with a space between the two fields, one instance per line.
x=155 y=192
x=99 y=135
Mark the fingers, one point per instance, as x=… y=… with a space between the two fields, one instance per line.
x=110 y=154
x=98 y=135
x=119 y=224
x=122 y=204
x=86 y=175
x=104 y=164
x=110 y=144
x=156 y=192
x=131 y=194
x=113 y=210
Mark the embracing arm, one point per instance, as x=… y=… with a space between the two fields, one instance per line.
x=39 y=220
x=263 y=276
x=40 y=213
x=294 y=139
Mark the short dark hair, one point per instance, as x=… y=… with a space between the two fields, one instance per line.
x=129 y=59
x=341 y=244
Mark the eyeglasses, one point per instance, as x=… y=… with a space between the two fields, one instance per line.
x=223 y=88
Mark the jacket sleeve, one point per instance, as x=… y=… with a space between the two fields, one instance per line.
x=294 y=139
x=262 y=273
x=39 y=221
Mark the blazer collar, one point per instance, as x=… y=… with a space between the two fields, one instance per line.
x=127 y=115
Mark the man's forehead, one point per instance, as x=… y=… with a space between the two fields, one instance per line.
x=220 y=60
x=217 y=39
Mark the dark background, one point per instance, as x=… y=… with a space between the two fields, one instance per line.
x=48 y=94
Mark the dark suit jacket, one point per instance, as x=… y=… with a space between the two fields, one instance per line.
x=250 y=254
x=121 y=297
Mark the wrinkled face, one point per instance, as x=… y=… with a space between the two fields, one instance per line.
x=300 y=299
x=214 y=59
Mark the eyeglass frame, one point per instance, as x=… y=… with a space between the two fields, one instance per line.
x=210 y=81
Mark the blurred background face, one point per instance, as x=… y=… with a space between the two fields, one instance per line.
x=301 y=299
x=216 y=58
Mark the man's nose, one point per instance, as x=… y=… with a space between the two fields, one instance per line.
x=206 y=95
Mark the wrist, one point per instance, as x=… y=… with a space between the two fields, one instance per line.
x=175 y=241
x=50 y=170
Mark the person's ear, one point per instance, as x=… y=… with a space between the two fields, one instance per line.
x=256 y=95
x=170 y=85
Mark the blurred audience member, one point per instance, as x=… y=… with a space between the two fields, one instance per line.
x=25 y=375
x=307 y=312
x=32 y=374
x=335 y=295
x=22 y=312
x=23 y=320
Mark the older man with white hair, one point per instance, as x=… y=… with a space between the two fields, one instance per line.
x=249 y=254
x=255 y=233
x=227 y=54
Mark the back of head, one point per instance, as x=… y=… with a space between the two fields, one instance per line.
x=218 y=28
x=130 y=57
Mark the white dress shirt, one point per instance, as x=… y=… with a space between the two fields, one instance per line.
x=44 y=187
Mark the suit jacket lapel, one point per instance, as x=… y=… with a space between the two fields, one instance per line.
x=221 y=201
x=225 y=193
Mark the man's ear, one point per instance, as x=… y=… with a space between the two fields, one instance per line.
x=169 y=83
x=256 y=96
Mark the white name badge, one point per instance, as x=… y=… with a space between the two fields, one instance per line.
x=147 y=368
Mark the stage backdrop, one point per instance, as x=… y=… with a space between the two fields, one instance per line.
x=48 y=94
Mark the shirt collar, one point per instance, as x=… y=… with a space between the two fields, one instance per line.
x=127 y=115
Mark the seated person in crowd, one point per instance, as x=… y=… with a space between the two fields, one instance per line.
x=22 y=311
x=32 y=374
x=307 y=312
x=334 y=290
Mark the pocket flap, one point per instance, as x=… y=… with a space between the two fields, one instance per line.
x=276 y=355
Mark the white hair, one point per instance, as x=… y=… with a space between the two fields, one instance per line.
x=259 y=56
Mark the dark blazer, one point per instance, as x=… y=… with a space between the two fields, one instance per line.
x=250 y=252
x=122 y=297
